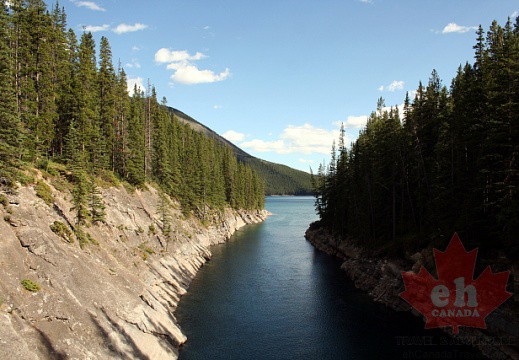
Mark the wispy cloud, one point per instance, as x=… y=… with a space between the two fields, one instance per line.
x=172 y=56
x=395 y=85
x=366 y=1
x=306 y=161
x=136 y=48
x=234 y=136
x=119 y=29
x=185 y=71
x=125 y=28
x=301 y=139
x=133 y=64
x=96 y=28
x=455 y=28
x=216 y=107
x=514 y=14
x=89 y=5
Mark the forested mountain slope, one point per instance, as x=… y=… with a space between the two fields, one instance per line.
x=279 y=179
x=451 y=163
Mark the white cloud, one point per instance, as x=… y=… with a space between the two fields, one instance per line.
x=190 y=74
x=89 y=5
x=396 y=85
x=258 y=145
x=455 y=28
x=207 y=27
x=96 y=28
x=134 y=81
x=514 y=14
x=185 y=72
x=412 y=94
x=133 y=64
x=306 y=161
x=125 y=28
x=136 y=48
x=356 y=121
x=303 y=139
x=366 y=1
x=234 y=136
x=174 y=56
x=216 y=107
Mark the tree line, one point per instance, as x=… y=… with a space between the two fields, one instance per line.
x=449 y=163
x=60 y=101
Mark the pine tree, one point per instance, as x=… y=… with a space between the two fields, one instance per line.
x=106 y=85
x=96 y=205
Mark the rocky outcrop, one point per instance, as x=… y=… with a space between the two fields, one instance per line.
x=116 y=297
x=382 y=279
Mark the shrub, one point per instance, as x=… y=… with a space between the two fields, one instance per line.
x=44 y=192
x=30 y=285
x=146 y=249
x=62 y=231
x=3 y=200
x=84 y=238
x=151 y=229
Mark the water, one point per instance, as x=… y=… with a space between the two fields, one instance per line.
x=268 y=294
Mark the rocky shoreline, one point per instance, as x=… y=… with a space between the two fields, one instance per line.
x=381 y=278
x=115 y=298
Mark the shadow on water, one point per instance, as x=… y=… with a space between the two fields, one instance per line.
x=268 y=294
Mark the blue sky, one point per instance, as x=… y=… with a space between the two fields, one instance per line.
x=277 y=77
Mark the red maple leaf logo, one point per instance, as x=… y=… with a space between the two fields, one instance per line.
x=455 y=299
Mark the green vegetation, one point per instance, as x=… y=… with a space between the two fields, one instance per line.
x=279 y=179
x=84 y=238
x=44 y=192
x=449 y=165
x=64 y=103
x=30 y=285
x=62 y=231
x=146 y=249
x=3 y=200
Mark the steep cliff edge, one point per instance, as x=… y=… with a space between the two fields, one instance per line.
x=381 y=278
x=116 y=297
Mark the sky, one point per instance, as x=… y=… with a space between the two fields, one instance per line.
x=277 y=78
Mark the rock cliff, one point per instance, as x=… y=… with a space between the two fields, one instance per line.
x=113 y=298
x=382 y=279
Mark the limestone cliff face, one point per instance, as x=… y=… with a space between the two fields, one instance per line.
x=382 y=279
x=112 y=300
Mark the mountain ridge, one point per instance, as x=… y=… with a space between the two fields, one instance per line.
x=279 y=179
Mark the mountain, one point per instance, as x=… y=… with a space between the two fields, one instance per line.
x=279 y=179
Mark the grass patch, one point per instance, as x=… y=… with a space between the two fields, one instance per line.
x=106 y=179
x=62 y=231
x=44 y=192
x=30 y=285
x=129 y=187
x=61 y=184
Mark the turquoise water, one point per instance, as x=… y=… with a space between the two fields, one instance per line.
x=268 y=294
